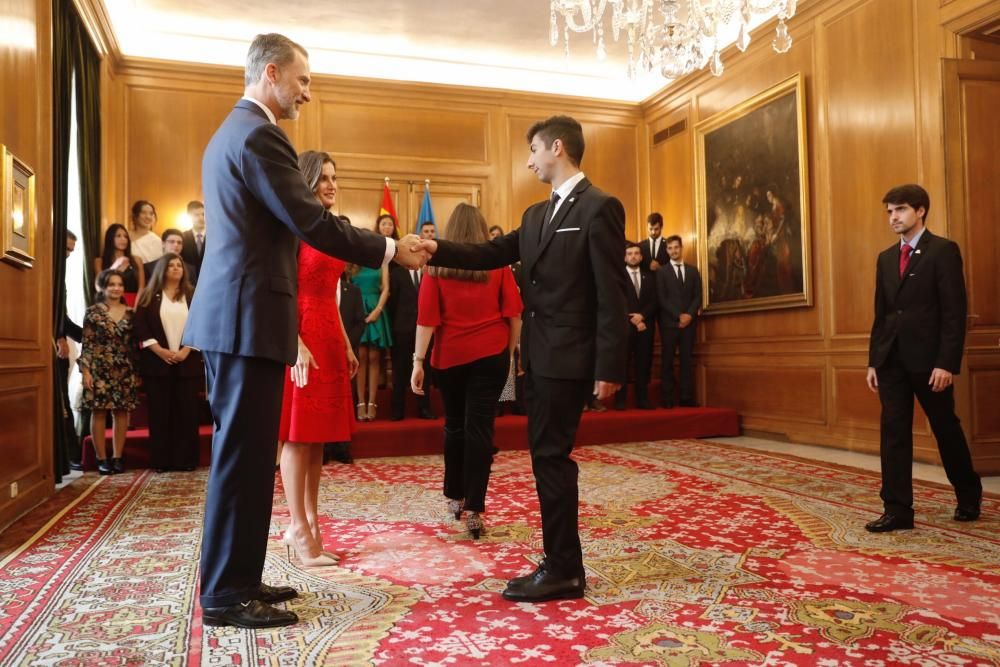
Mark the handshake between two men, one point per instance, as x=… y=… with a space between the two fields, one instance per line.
x=412 y=252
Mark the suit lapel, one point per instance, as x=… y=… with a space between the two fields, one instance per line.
x=549 y=230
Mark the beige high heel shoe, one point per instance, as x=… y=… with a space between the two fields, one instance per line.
x=322 y=559
x=372 y=408
x=287 y=538
x=362 y=412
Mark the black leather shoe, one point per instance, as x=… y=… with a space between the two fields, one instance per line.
x=104 y=467
x=518 y=582
x=75 y=465
x=275 y=594
x=542 y=586
x=666 y=406
x=888 y=522
x=427 y=414
x=644 y=405
x=966 y=513
x=396 y=418
x=251 y=614
x=118 y=465
x=689 y=404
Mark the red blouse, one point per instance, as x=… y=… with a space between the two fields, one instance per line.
x=469 y=318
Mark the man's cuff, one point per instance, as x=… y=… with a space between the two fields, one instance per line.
x=390 y=251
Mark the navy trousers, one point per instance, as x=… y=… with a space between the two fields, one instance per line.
x=245 y=396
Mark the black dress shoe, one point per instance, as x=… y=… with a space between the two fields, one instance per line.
x=396 y=418
x=666 y=405
x=275 y=594
x=689 y=404
x=517 y=582
x=75 y=465
x=104 y=467
x=644 y=405
x=966 y=513
x=888 y=522
x=118 y=465
x=542 y=586
x=427 y=414
x=251 y=614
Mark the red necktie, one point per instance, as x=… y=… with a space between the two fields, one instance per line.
x=904 y=258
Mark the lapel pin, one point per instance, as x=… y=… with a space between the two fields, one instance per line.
x=917 y=251
x=573 y=199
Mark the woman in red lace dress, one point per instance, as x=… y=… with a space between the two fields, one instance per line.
x=318 y=406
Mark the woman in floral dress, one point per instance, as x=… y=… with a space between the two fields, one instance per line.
x=107 y=363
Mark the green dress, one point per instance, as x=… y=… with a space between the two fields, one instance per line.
x=377 y=333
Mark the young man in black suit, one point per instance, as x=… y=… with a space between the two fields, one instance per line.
x=678 y=291
x=244 y=320
x=916 y=349
x=193 y=251
x=574 y=331
x=641 y=303
x=654 y=248
x=404 y=286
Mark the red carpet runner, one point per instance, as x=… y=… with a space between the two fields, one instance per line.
x=696 y=553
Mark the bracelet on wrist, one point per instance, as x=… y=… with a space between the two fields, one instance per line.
x=416 y=358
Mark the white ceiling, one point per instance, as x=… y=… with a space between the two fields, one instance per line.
x=486 y=43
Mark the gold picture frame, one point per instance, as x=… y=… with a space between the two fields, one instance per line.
x=752 y=182
x=17 y=208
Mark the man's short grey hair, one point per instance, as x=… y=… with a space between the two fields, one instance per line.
x=269 y=48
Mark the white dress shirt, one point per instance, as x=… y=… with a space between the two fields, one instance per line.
x=679 y=265
x=564 y=191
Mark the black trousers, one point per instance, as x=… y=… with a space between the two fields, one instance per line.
x=675 y=339
x=245 y=396
x=639 y=360
x=470 y=394
x=554 y=410
x=896 y=389
x=173 y=419
x=402 y=369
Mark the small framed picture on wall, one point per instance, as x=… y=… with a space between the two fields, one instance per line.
x=17 y=208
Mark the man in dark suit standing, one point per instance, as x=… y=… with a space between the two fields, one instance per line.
x=574 y=331
x=654 y=248
x=678 y=290
x=243 y=318
x=194 y=239
x=404 y=286
x=173 y=241
x=642 y=306
x=915 y=349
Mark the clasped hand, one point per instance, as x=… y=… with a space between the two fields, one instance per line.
x=411 y=253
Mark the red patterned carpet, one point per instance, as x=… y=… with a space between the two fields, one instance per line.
x=696 y=553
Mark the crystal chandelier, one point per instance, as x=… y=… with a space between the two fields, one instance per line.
x=677 y=46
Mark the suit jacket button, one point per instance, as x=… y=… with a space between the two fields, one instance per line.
x=531 y=314
x=899 y=312
x=534 y=282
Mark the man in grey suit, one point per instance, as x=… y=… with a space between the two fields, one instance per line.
x=244 y=320
x=575 y=330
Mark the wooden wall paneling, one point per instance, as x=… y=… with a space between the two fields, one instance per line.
x=359 y=197
x=364 y=129
x=526 y=189
x=980 y=98
x=445 y=196
x=672 y=181
x=872 y=139
x=168 y=131
x=25 y=303
x=794 y=393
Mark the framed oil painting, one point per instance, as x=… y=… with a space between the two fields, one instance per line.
x=753 y=203
x=17 y=208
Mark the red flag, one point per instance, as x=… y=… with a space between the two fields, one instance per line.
x=387 y=207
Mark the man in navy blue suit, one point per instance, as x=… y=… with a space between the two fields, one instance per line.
x=244 y=320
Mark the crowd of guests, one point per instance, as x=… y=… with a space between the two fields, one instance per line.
x=459 y=327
